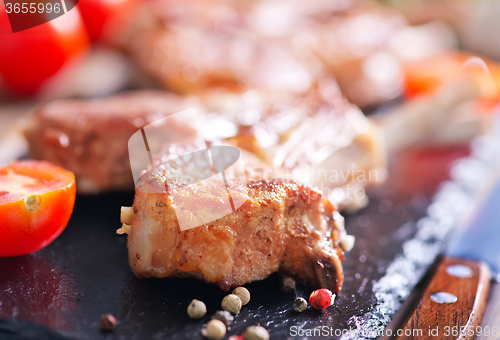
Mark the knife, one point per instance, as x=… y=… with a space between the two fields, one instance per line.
x=492 y=316
x=455 y=296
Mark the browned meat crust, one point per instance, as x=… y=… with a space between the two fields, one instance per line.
x=282 y=226
x=90 y=137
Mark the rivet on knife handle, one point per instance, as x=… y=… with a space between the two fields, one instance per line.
x=453 y=304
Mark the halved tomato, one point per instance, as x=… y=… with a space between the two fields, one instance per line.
x=36 y=202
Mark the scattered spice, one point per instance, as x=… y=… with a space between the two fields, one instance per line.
x=256 y=333
x=196 y=309
x=288 y=284
x=215 y=330
x=108 y=322
x=237 y=337
x=321 y=298
x=231 y=303
x=299 y=305
x=243 y=294
x=224 y=316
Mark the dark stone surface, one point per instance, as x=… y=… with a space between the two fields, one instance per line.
x=18 y=329
x=85 y=273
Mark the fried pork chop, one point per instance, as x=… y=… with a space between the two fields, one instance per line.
x=280 y=226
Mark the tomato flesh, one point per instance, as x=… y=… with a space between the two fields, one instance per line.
x=36 y=202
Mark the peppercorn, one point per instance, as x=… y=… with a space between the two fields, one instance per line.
x=243 y=294
x=237 y=337
x=196 y=309
x=288 y=284
x=256 y=333
x=321 y=298
x=231 y=303
x=215 y=330
x=224 y=316
x=299 y=305
x=108 y=322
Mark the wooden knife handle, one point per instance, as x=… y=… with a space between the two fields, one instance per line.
x=454 y=300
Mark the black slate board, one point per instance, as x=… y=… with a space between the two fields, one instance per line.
x=85 y=273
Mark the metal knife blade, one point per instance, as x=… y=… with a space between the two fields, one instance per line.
x=479 y=236
x=454 y=301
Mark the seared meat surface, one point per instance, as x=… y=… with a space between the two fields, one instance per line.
x=280 y=226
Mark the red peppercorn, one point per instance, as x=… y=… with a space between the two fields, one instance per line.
x=108 y=322
x=321 y=298
x=237 y=337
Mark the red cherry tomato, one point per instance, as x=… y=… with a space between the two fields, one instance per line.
x=103 y=18
x=321 y=298
x=28 y=58
x=426 y=76
x=36 y=202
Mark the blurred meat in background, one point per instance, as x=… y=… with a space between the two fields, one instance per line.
x=282 y=79
x=90 y=137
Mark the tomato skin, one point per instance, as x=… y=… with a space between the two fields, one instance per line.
x=100 y=16
x=321 y=298
x=24 y=231
x=28 y=58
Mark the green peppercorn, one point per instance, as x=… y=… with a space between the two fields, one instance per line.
x=215 y=330
x=288 y=284
x=231 y=303
x=256 y=333
x=196 y=309
x=300 y=304
x=243 y=294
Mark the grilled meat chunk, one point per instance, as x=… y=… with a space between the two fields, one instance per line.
x=316 y=137
x=191 y=60
x=279 y=226
x=90 y=137
x=226 y=44
x=356 y=48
